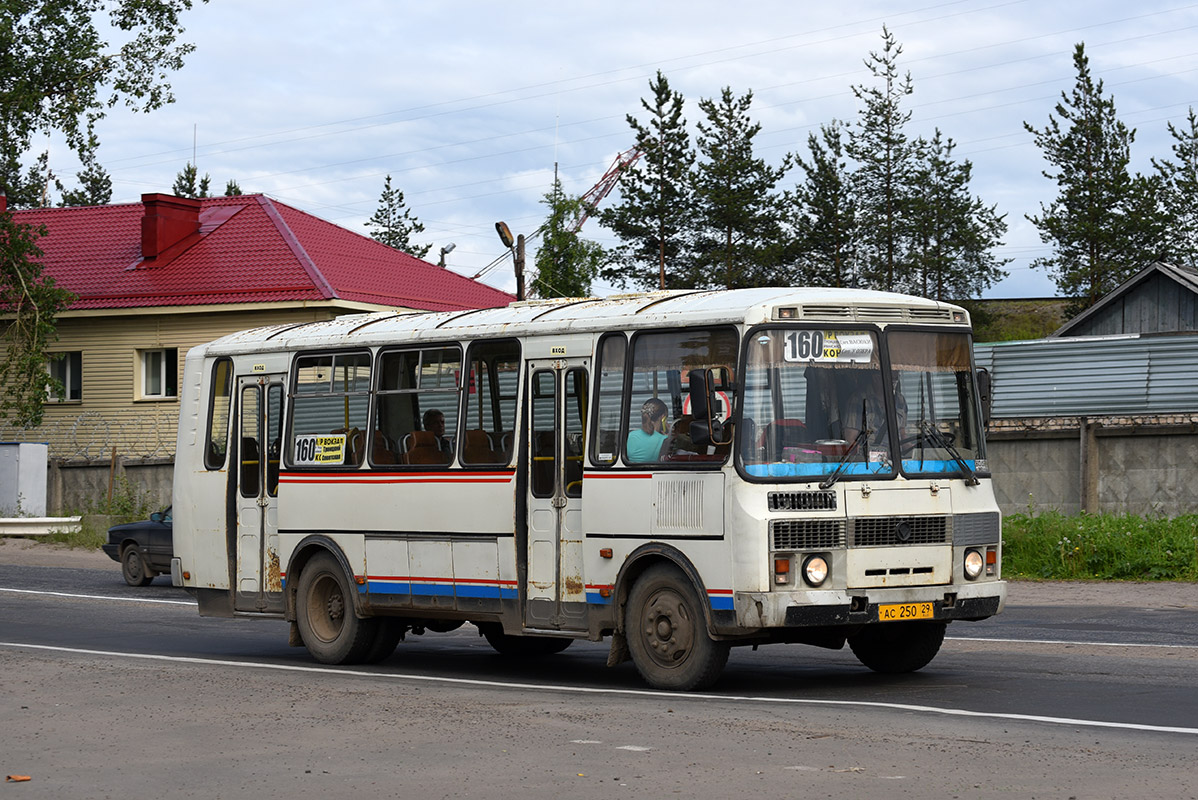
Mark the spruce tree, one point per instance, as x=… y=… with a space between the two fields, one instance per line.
x=885 y=162
x=739 y=240
x=952 y=233
x=824 y=248
x=95 y=184
x=394 y=224
x=654 y=215
x=1104 y=225
x=186 y=184
x=1179 y=188
x=566 y=263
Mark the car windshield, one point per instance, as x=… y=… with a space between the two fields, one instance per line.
x=822 y=403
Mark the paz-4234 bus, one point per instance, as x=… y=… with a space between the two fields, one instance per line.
x=676 y=473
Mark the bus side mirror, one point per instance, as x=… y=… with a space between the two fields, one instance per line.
x=984 y=394
x=705 y=429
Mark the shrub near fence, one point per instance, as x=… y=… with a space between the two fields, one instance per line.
x=1051 y=545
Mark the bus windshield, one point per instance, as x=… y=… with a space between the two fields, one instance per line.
x=825 y=404
x=934 y=382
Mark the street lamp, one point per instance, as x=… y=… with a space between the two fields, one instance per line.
x=446 y=250
x=505 y=236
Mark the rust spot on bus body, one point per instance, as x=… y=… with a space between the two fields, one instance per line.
x=274 y=580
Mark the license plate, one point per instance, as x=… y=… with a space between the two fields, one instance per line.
x=905 y=611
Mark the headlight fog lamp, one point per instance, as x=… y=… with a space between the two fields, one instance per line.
x=815 y=570
x=974 y=564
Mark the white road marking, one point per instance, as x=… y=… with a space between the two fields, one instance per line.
x=102 y=597
x=588 y=690
x=636 y=748
x=1063 y=641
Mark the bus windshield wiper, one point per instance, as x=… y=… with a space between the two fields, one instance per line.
x=848 y=453
x=931 y=432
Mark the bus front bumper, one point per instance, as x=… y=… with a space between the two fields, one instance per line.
x=861 y=606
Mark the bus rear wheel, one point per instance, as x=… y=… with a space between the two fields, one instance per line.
x=667 y=632
x=324 y=611
x=894 y=647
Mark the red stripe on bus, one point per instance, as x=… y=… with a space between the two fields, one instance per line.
x=409 y=578
x=618 y=475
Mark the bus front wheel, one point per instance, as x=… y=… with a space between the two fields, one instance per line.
x=331 y=630
x=667 y=632
x=894 y=647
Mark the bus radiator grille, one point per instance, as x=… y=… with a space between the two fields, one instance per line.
x=806 y=534
x=894 y=531
x=803 y=501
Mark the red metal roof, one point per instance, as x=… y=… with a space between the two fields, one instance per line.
x=248 y=249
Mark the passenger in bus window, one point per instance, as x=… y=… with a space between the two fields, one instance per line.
x=434 y=423
x=644 y=443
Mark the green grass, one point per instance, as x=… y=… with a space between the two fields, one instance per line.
x=1052 y=546
x=86 y=538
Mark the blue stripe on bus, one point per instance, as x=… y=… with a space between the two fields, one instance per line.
x=722 y=603
x=440 y=590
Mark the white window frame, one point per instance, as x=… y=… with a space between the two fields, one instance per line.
x=167 y=357
x=59 y=366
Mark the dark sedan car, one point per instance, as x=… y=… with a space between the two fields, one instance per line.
x=143 y=548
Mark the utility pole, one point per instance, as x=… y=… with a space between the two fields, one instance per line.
x=520 y=267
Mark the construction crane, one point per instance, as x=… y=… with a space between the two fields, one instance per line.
x=593 y=197
x=590 y=201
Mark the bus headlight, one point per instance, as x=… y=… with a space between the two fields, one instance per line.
x=974 y=564
x=815 y=570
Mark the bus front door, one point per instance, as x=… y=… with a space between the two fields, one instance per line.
x=257 y=584
x=554 y=586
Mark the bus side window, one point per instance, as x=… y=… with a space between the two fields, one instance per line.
x=217 y=440
x=331 y=397
x=416 y=407
x=609 y=397
x=493 y=368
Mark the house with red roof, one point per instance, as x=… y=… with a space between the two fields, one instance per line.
x=157 y=277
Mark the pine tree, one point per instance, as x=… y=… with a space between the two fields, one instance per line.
x=885 y=159
x=394 y=224
x=654 y=214
x=1104 y=225
x=824 y=247
x=739 y=240
x=1179 y=187
x=232 y=189
x=953 y=234
x=566 y=263
x=95 y=184
x=186 y=186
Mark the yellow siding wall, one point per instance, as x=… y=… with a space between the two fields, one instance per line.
x=109 y=415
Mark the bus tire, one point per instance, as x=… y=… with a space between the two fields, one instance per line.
x=324 y=612
x=134 y=569
x=522 y=646
x=667 y=635
x=387 y=637
x=895 y=647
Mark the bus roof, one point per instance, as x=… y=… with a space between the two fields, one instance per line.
x=592 y=314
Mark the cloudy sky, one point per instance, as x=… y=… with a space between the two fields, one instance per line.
x=469 y=105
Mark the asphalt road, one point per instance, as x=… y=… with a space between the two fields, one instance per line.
x=107 y=686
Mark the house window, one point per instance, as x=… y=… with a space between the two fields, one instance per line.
x=159 y=373
x=67 y=369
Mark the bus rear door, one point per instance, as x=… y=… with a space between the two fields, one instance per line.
x=555 y=589
x=258 y=587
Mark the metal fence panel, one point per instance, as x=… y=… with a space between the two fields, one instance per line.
x=1091 y=376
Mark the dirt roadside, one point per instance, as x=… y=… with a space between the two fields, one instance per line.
x=32 y=553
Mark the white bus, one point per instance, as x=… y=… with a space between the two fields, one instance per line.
x=676 y=472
